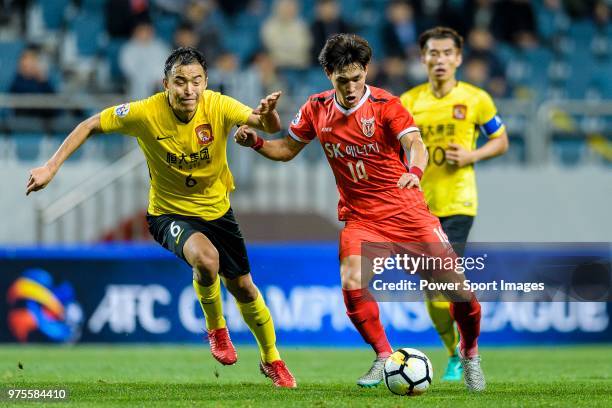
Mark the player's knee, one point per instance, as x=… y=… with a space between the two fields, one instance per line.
x=205 y=264
x=243 y=289
x=351 y=280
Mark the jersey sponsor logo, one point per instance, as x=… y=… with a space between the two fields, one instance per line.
x=122 y=110
x=163 y=137
x=459 y=112
x=204 y=134
x=298 y=117
x=368 y=126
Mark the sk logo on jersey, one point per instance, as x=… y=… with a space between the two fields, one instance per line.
x=368 y=126
x=204 y=134
x=459 y=112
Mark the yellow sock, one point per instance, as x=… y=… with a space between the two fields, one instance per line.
x=257 y=316
x=210 y=301
x=444 y=324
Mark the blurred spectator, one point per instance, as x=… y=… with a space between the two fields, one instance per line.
x=287 y=37
x=233 y=7
x=601 y=15
x=264 y=69
x=476 y=71
x=176 y=7
x=552 y=20
x=140 y=60
x=225 y=76
x=481 y=44
x=200 y=14
x=327 y=22
x=479 y=14
x=578 y=9
x=393 y=76
x=515 y=21
x=122 y=16
x=399 y=31
x=185 y=36
x=12 y=8
x=31 y=78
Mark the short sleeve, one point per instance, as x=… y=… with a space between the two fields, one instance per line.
x=406 y=100
x=487 y=116
x=126 y=118
x=399 y=121
x=301 y=127
x=235 y=112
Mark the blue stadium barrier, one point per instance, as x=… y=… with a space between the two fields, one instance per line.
x=143 y=293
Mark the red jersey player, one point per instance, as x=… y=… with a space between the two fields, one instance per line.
x=364 y=131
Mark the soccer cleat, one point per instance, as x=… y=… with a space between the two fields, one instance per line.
x=454 y=370
x=374 y=376
x=473 y=375
x=278 y=372
x=221 y=346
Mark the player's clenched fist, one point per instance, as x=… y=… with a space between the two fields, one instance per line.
x=245 y=136
x=268 y=104
x=39 y=178
x=409 y=180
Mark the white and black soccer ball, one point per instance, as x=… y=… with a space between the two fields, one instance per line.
x=408 y=371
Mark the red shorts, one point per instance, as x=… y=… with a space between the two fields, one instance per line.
x=416 y=225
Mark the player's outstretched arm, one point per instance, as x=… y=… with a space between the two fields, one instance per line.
x=462 y=157
x=265 y=117
x=283 y=149
x=413 y=143
x=41 y=176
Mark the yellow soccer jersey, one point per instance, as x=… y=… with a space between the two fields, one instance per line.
x=187 y=161
x=454 y=118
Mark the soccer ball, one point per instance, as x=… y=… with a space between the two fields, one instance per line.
x=408 y=371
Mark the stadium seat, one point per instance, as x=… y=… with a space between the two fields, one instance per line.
x=9 y=56
x=93 y=6
x=165 y=25
x=88 y=29
x=28 y=145
x=53 y=13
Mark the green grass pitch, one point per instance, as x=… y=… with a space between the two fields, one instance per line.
x=164 y=376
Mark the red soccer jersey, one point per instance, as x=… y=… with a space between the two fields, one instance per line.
x=363 y=149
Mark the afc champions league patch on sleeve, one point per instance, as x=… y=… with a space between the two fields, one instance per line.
x=204 y=134
x=298 y=117
x=459 y=112
x=122 y=110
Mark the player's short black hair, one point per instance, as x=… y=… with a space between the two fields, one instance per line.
x=184 y=56
x=439 y=33
x=342 y=50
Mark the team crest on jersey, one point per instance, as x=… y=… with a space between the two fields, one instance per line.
x=204 y=134
x=122 y=110
x=368 y=126
x=459 y=112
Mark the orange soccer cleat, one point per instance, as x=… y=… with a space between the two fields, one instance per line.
x=278 y=372
x=221 y=346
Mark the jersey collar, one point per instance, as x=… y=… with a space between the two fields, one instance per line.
x=347 y=112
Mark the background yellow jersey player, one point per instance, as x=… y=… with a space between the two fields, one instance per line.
x=183 y=135
x=451 y=114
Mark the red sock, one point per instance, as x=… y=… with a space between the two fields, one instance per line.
x=362 y=309
x=467 y=316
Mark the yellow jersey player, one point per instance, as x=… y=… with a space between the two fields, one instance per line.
x=449 y=113
x=183 y=135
